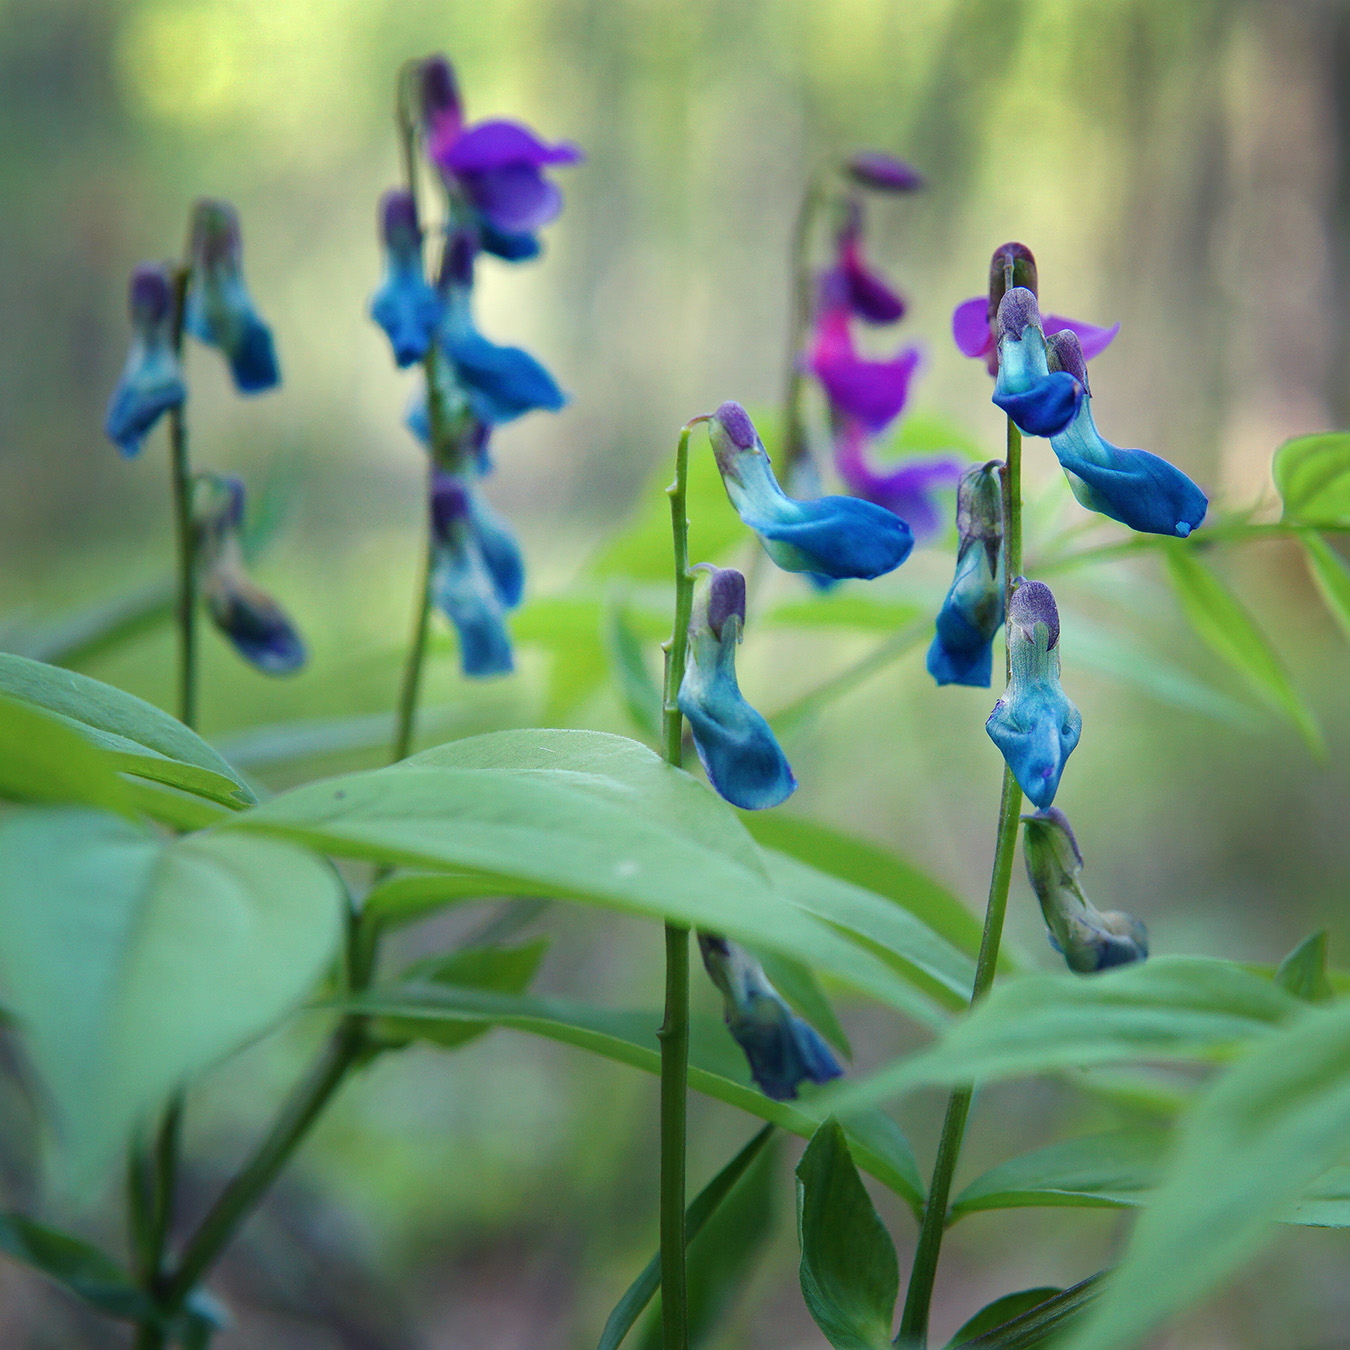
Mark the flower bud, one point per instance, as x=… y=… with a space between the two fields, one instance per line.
x=152 y=379
x=406 y=306
x=783 y=1051
x=1040 y=402
x=1012 y=265
x=219 y=308
x=735 y=745
x=834 y=537
x=883 y=172
x=962 y=649
x=1088 y=939
x=1034 y=725
x=442 y=111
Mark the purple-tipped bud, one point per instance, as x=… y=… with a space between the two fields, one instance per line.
x=1017 y=312
x=1033 y=603
x=735 y=422
x=440 y=90
x=1063 y=351
x=457 y=260
x=726 y=598
x=1019 y=258
x=150 y=295
x=398 y=220
x=215 y=232
x=450 y=504
x=882 y=172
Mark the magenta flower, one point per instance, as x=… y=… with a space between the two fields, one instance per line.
x=871 y=392
x=496 y=165
x=974 y=330
x=883 y=172
x=850 y=282
x=906 y=488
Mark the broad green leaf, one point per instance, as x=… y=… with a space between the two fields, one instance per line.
x=1171 y=1007
x=1255 y=1142
x=640 y=1293
x=1112 y=1171
x=1330 y=575
x=722 y=1257
x=849 y=1273
x=178 y=810
x=84 y=1270
x=715 y=1066
x=505 y=970
x=1223 y=623
x=407 y=898
x=872 y=868
x=1312 y=474
x=1043 y=1323
x=100 y=627
x=855 y=610
x=582 y=816
x=43 y=760
x=1001 y=1310
x=637 y=686
x=148 y=741
x=133 y=962
x=1304 y=971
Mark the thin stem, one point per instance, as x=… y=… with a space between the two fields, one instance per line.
x=794 y=428
x=674 y=1032
x=412 y=669
x=919 y=1297
x=181 y=483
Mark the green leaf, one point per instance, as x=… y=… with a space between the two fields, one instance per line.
x=640 y=1293
x=1312 y=474
x=568 y=627
x=148 y=742
x=1001 y=1310
x=849 y=1273
x=716 y=1068
x=1330 y=575
x=101 y=627
x=1044 y=1322
x=506 y=970
x=82 y=1269
x=1304 y=971
x=1171 y=1007
x=132 y=961
x=1260 y=1136
x=1223 y=623
x=42 y=760
x=633 y=678
x=1112 y=1171
x=575 y=815
x=871 y=868
x=408 y=898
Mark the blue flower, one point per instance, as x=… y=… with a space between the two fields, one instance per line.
x=1137 y=488
x=1034 y=724
x=257 y=626
x=219 y=309
x=739 y=752
x=152 y=379
x=406 y=306
x=834 y=537
x=1040 y=401
x=1088 y=939
x=782 y=1050
x=476 y=577
x=963 y=647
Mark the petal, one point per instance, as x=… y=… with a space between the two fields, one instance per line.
x=408 y=310
x=907 y=489
x=516 y=199
x=501 y=553
x=883 y=172
x=464 y=592
x=496 y=144
x=1137 y=488
x=220 y=313
x=503 y=383
x=1047 y=407
x=510 y=246
x=873 y=392
x=1036 y=728
x=151 y=383
x=970 y=327
x=869 y=296
x=256 y=625
x=1094 y=340
x=783 y=1051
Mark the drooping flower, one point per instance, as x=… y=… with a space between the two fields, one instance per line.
x=883 y=172
x=259 y=628
x=219 y=308
x=1034 y=725
x=834 y=537
x=975 y=321
x=477 y=575
x=1040 y=401
x=406 y=306
x=152 y=379
x=962 y=651
x=851 y=283
x=907 y=488
x=496 y=166
x=735 y=745
x=872 y=393
x=783 y=1051
x=1135 y=487
x=1088 y=939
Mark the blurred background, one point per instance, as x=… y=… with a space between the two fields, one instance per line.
x=1178 y=166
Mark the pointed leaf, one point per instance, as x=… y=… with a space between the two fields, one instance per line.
x=1002 y=1310
x=1330 y=575
x=84 y=1270
x=633 y=678
x=1312 y=474
x=42 y=760
x=1043 y=1323
x=1304 y=971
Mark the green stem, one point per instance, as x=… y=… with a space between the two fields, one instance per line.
x=412 y=670
x=919 y=1297
x=181 y=481
x=794 y=426
x=674 y=1032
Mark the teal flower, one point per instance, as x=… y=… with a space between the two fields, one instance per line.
x=1040 y=401
x=962 y=651
x=406 y=306
x=832 y=537
x=152 y=379
x=782 y=1050
x=1088 y=939
x=735 y=745
x=1034 y=725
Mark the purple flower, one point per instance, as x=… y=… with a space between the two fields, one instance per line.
x=883 y=172
x=851 y=284
x=873 y=393
x=1040 y=401
x=406 y=305
x=907 y=488
x=152 y=379
x=496 y=165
